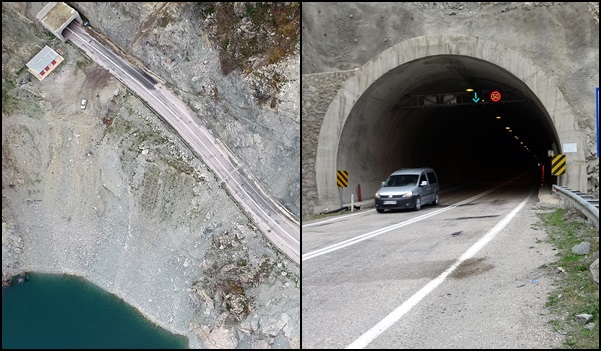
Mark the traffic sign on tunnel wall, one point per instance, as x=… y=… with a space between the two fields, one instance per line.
x=495 y=96
x=342 y=178
x=558 y=164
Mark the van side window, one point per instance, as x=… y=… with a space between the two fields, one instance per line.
x=432 y=178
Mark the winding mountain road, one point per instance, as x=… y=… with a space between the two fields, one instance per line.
x=276 y=223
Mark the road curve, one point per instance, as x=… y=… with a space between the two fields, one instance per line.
x=274 y=221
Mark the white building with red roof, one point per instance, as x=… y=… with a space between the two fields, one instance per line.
x=44 y=62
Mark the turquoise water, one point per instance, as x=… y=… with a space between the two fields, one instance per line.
x=61 y=311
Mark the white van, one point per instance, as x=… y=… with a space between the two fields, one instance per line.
x=408 y=188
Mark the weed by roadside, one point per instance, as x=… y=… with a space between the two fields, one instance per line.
x=329 y=215
x=576 y=292
x=9 y=100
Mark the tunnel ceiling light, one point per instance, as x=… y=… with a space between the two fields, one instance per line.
x=516 y=137
x=469 y=89
x=507 y=128
x=498 y=117
x=521 y=142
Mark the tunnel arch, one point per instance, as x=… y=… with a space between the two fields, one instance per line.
x=356 y=129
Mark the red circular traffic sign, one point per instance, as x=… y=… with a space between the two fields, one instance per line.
x=495 y=96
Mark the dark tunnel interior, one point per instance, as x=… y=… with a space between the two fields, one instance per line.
x=421 y=114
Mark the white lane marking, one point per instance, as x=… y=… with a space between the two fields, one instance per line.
x=406 y=306
x=184 y=124
x=335 y=219
x=371 y=200
x=294 y=249
x=381 y=231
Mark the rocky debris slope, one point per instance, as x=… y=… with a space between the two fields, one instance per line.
x=12 y=248
x=109 y=193
x=249 y=99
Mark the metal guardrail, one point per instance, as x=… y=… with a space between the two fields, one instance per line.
x=584 y=203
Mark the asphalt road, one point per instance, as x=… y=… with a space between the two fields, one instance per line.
x=272 y=219
x=464 y=274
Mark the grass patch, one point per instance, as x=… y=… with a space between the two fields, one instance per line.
x=328 y=215
x=9 y=99
x=50 y=36
x=165 y=20
x=179 y=166
x=295 y=279
x=18 y=98
x=205 y=9
x=575 y=291
x=84 y=63
x=122 y=128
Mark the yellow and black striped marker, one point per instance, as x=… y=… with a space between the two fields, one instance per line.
x=342 y=179
x=558 y=165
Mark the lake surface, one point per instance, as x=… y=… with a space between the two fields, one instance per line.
x=61 y=311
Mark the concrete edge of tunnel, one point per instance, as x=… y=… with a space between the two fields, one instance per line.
x=546 y=196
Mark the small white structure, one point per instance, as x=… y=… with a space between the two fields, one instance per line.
x=44 y=62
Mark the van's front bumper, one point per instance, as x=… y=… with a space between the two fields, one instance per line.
x=394 y=203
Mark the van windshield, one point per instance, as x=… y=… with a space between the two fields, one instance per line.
x=401 y=180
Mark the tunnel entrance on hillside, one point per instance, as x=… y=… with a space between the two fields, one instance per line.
x=467 y=118
x=56 y=16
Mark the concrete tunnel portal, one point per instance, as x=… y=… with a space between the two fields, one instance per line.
x=420 y=113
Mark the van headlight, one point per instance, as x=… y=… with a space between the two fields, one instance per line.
x=377 y=195
x=408 y=194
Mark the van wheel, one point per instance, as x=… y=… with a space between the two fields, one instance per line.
x=418 y=203
x=380 y=210
x=435 y=202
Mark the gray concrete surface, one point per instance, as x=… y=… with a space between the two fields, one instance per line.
x=496 y=299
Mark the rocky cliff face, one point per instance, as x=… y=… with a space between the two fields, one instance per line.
x=109 y=193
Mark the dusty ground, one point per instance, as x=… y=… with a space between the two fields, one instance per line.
x=110 y=194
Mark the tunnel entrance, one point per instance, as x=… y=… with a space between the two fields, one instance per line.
x=438 y=112
x=56 y=16
x=472 y=110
